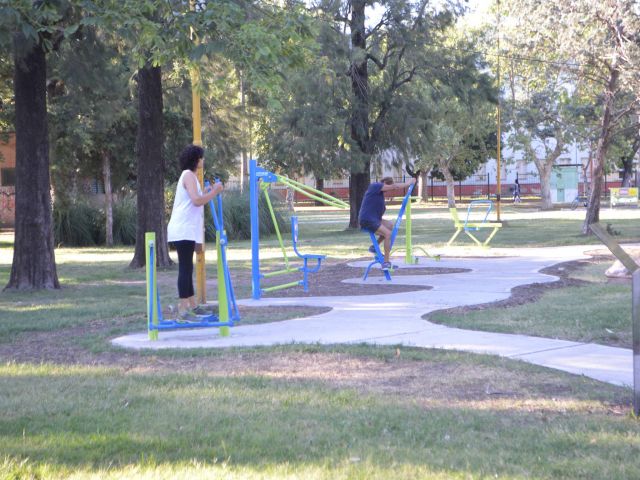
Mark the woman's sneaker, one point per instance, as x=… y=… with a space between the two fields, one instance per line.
x=386 y=266
x=188 y=316
x=203 y=310
x=372 y=249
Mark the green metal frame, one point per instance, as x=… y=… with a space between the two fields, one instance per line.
x=309 y=192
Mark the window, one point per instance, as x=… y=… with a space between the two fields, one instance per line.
x=7 y=177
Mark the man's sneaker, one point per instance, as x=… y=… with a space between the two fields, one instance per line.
x=372 y=249
x=386 y=266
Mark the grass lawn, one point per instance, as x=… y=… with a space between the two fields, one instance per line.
x=467 y=417
x=595 y=311
x=73 y=406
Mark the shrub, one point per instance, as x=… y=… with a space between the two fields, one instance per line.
x=237 y=216
x=80 y=224
x=77 y=224
x=125 y=221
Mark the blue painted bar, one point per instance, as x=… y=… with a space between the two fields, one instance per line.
x=255 y=229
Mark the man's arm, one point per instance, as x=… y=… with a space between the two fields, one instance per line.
x=393 y=186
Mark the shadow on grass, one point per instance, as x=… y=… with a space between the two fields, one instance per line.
x=107 y=420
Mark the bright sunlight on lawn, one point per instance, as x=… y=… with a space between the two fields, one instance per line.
x=73 y=406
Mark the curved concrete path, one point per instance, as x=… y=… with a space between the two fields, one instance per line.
x=395 y=319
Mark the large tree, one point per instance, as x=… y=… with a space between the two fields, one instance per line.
x=540 y=125
x=34 y=265
x=150 y=168
x=462 y=138
x=34 y=30
x=376 y=63
x=596 y=44
x=91 y=112
x=252 y=35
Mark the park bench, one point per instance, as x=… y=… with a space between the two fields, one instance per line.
x=469 y=226
x=623 y=196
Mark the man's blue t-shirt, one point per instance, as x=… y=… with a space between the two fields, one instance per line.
x=373 y=206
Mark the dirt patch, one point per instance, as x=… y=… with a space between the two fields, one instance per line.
x=328 y=281
x=71 y=345
x=441 y=378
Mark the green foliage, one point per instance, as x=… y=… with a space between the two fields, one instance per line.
x=80 y=224
x=237 y=216
x=124 y=221
x=76 y=223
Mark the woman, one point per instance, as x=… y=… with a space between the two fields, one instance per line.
x=186 y=226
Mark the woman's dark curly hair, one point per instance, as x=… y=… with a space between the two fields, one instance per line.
x=189 y=157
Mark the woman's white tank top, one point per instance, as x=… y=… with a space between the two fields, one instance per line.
x=187 y=219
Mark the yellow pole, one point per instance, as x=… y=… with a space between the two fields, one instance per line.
x=201 y=294
x=498 y=169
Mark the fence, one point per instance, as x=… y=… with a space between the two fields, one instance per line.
x=474 y=187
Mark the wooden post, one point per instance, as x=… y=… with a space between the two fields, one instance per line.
x=635 y=325
x=632 y=267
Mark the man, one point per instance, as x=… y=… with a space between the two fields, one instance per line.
x=371 y=211
x=516 y=192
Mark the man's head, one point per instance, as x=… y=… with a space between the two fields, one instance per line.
x=387 y=180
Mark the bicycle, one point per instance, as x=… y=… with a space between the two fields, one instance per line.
x=580 y=199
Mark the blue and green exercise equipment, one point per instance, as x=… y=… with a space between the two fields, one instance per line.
x=260 y=180
x=228 y=313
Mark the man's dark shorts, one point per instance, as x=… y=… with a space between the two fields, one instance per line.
x=370 y=226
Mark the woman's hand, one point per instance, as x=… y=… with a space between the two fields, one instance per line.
x=216 y=189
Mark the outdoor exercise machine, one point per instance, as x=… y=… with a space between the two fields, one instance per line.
x=260 y=180
x=469 y=225
x=228 y=313
x=409 y=248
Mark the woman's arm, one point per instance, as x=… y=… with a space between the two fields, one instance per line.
x=190 y=183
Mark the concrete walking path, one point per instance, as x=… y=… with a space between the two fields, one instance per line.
x=395 y=319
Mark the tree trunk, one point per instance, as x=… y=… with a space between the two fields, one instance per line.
x=451 y=186
x=34 y=265
x=108 y=198
x=360 y=176
x=290 y=200
x=627 y=165
x=424 y=194
x=151 y=168
x=319 y=186
x=593 y=208
x=545 y=170
x=358 y=184
x=545 y=186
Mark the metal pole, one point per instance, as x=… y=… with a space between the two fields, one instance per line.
x=201 y=294
x=488 y=187
x=635 y=325
x=255 y=230
x=431 y=188
x=408 y=240
x=498 y=178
